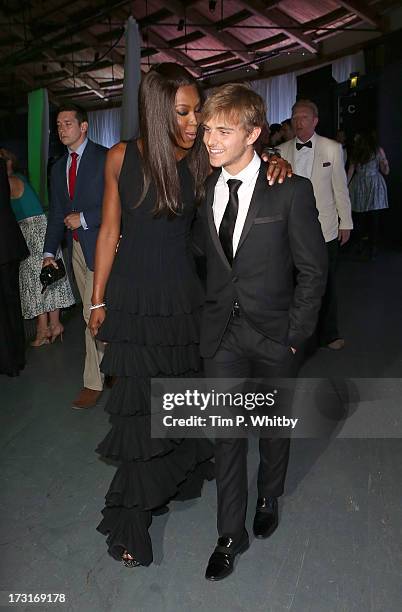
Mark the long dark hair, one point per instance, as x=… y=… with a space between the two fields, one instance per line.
x=159 y=133
x=365 y=147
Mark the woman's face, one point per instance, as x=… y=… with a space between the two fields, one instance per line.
x=188 y=110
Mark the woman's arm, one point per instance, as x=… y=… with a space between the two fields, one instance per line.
x=384 y=165
x=109 y=233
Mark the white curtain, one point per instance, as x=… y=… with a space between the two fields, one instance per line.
x=104 y=126
x=342 y=67
x=279 y=94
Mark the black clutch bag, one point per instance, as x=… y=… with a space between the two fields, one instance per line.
x=50 y=274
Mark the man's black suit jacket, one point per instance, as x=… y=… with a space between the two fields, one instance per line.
x=279 y=270
x=12 y=244
x=87 y=199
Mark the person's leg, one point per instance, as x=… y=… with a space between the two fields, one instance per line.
x=12 y=336
x=93 y=379
x=55 y=326
x=42 y=331
x=328 y=319
x=230 y=453
x=373 y=232
x=272 y=362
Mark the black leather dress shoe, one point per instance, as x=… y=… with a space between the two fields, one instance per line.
x=221 y=562
x=266 y=517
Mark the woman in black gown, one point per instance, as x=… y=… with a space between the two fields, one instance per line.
x=153 y=299
x=153 y=306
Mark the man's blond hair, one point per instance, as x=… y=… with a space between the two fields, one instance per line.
x=238 y=103
x=306 y=103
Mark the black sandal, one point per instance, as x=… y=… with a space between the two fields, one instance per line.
x=129 y=561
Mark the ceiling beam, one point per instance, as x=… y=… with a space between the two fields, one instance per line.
x=365 y=12
x=71 y=70
x=75 y=23
x=177 y=56
x=233 y=44
x=81 y=79
x=69 y=67
x=161 y=44
x=286 y=24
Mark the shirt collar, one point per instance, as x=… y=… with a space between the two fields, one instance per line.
x=247 y=174
x=80 y=150
x=312 y=139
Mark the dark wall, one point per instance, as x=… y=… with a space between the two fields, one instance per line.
x=14 y=136
x=318 y=86
x=390 y=138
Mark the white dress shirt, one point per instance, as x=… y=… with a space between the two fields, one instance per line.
x=248 y=176
x=304 y=158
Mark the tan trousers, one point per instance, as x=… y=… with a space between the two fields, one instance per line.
x=93 y=378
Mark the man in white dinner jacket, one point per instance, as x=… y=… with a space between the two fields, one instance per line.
x=321 y=160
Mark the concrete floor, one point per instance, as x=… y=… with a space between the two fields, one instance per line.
x=338 y=547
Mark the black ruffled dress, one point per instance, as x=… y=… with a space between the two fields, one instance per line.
x=153 y=299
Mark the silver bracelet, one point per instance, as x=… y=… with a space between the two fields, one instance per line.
x=95 y=306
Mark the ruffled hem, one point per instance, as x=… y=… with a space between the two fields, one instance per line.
x=150 y=484
x=129 y=396
x=130 y=440
x=127 y=359
x=140 y=487
x=127 y=529
x=173 y=330
x=183 y=295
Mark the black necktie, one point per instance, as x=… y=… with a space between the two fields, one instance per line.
x=228 y=222
x=300 y=145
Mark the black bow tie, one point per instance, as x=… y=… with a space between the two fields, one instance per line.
x=300 y=145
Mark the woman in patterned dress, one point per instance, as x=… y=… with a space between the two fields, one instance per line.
x=32 y=220
x=368 y=190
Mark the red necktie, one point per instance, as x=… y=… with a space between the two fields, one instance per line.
x=72 y=175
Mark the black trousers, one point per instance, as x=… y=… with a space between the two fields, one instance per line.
x=327 y=329
x=12 y=336
x=245 y=353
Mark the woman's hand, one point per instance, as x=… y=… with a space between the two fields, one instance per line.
x=278 y=168
x=96 y=319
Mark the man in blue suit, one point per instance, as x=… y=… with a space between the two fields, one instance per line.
x=77 y=184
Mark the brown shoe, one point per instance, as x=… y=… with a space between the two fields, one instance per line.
x=336 y=345
x=87 y=398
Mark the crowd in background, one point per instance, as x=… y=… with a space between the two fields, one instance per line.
x=365 y=163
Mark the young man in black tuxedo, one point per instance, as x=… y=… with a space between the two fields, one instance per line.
x=266 y=274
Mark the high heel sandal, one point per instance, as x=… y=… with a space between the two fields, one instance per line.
x=42 y=337
x=129 y=561
x=55 y=332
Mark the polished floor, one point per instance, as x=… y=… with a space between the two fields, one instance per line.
x=338 y=546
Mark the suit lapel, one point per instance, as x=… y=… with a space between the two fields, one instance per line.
x=259 y=194
x=83 y=169
x=63 y=177
x=317 y=161
x=290 y=153
x=210 y=216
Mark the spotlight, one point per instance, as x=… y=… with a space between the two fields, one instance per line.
x=180 y=25
x=212 y=6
